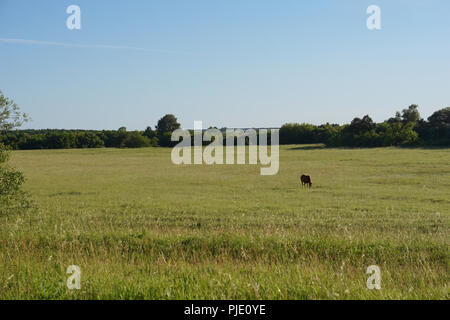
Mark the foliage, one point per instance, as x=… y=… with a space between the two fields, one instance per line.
x=168 y=123
x=437 y=130
x=135 y=140
x=411 y=114
x=12 y=198
x=10 y=115
x=406 y=128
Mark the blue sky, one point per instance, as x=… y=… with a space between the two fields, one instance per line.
x=234 y=63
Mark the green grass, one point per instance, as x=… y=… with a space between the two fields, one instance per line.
x=141 y=228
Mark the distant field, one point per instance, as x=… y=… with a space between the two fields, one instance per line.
x=141 y=228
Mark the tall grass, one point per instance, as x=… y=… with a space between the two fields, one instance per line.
x=141 y=228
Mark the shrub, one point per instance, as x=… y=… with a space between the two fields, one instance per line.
x=135 y=140
x=12 y=198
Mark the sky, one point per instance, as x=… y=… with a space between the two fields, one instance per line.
x=228 y=63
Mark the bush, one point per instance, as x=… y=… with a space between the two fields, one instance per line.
x=12 y=198
x=135 y=140
x=165 y=140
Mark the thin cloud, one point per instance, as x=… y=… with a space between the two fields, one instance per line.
x=91 y=46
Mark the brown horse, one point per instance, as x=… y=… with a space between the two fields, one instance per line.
x=306 y=180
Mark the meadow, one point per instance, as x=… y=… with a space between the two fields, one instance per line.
x=140 y=227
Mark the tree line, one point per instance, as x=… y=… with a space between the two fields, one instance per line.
x=406 y=128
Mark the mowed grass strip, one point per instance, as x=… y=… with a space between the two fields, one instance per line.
x=142 y=228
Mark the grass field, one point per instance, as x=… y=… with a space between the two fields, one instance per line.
x=141 y=228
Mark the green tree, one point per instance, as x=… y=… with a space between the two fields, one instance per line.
x=166 y=125
x=135 y=140
x=396 y=119
x=12 y=198
x=10 y=115
x=361 y=126
x=399 y=134
x=149 y=133
x=440 y=118
x=437 y=130
x=411 y=114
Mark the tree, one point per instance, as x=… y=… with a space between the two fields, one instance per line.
x=168 y=123
x=399 y=134
x=362 y=125
x=10 y=115
x=437 y=130
x=135 y=140
x=12 y=198
x=149 y=133
x=396 y=119
x=411 y=114
x=440 y=118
